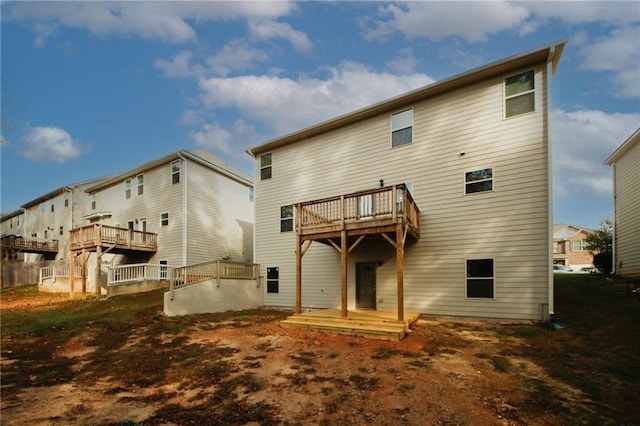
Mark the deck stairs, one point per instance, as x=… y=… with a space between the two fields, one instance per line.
x=370 y=324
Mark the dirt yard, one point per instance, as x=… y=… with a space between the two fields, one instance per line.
x=135 y=366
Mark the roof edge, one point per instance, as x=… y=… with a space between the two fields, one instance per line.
x=623 y=148
x=549 y=54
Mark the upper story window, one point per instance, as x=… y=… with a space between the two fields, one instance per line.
x=402 y=128
x=66 y=202
x=480 y=277
x=175 y=172
x=53 y=207
x=519 y=94
x=579 y=245
x=140 y=179
x=127 y=189
x=93 y=201
x=62 y=230
x=265 y=166
x=251 y=195
x=164 y=219
x=478 y=181
x=286 y=218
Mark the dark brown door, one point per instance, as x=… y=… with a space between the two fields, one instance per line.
x=366 y=285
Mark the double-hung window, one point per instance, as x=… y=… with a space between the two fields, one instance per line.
x=164 y=219
x=519 y=92
x=478 y=181
x=93 y=201
x=402 y=128
x=286 y=218
x=140 y=179
x=265 y=166
x=480 y=278
x=175 y=172
x=127 y=189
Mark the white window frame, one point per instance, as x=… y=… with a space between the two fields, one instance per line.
x=268 y=166
x=140 y=184
x=582 y=245
x=93 y=201
x=492 y=278
x=393 y=130
x=519 y=94
x=176 y=171
x=127 y=189
x=163 y=219
x=163 y=272
x=287 y=218
x=492 y=179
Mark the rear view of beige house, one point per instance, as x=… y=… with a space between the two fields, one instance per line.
x=437 y=201
x=626 y=202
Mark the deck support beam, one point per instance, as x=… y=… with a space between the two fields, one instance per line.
x=344 y=256
x=299 y=254
x=400 y=269
x=72 y=278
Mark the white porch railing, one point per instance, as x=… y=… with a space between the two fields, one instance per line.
x=138 y=272
x=215 y=270
x=58 y=271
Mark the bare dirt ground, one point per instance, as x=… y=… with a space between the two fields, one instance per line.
x=245 y=368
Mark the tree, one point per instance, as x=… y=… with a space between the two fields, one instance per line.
x=600 y=244
x=601 y=240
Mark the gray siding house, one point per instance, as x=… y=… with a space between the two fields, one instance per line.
x=437 y=201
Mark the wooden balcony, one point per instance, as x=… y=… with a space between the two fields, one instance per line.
x=112 y=239
x=17 y=243
x=366 y=213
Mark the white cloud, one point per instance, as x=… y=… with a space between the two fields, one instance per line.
x=269 y=29
x=50 y=144
x=235 y=56
x=435 y=20
x=177 y=67
x=404 y=63
x=214 y=137
x=618 y=53
x=582 y=141
x=165 y=21
x=286 y=104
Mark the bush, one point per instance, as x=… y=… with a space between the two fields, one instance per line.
x=603 y=261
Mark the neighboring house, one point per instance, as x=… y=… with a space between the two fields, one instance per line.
x=436 y=201
x=626 y=199
x=184 y=208
x=570 y=248
x=190 y=205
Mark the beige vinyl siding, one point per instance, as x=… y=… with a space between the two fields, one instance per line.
x=509 y=224
x=627 y=221
x=220 y=218
x=159 y=197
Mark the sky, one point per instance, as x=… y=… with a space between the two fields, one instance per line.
x=92 y=89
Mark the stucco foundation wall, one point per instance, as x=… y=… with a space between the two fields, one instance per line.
x=135 y=287
x=207 y=297
x=61 y=285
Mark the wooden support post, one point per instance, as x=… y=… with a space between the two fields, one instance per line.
x=72 y=278
x=298 y=273
x=83 y=269
x=98 y=262
x=344 y=253
x=400 y=269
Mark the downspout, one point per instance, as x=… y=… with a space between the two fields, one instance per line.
x=550 y=285
x=185 y=190
x=614 y=236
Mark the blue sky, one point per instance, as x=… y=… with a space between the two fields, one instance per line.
x=91 y=89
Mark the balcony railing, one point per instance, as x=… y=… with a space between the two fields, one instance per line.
x=30 y=245
x=91 y=236
x=366 y=209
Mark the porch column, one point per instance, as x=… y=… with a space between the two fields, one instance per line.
x=400 y=270
x=344 y=252
x=72 y=278
x=298 y=273
x=83 y=269
x=98 y=261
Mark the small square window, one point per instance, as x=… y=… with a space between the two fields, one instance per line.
x=519 y=93
x=61 y=230
x=402 y=128
x=273 y=280
x=265 y=166
x=478 y=181
x=93 y=201
x=286 y=218
x=164 y=219
x=480 y=278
